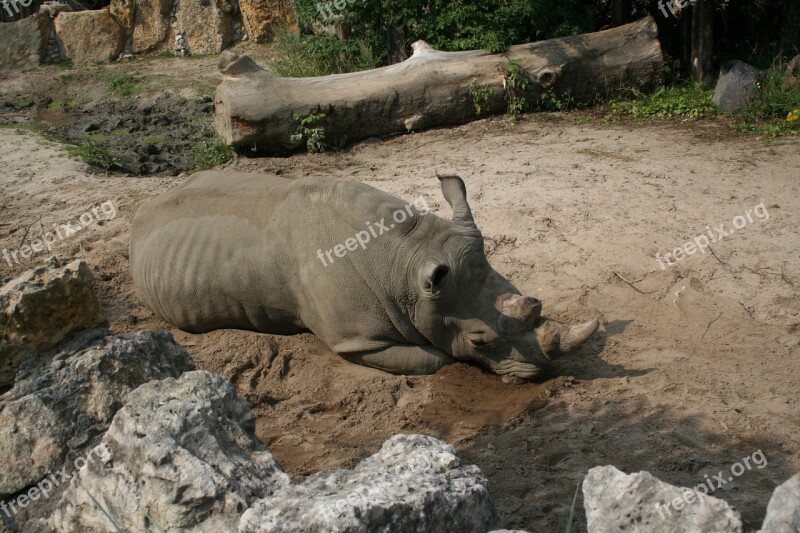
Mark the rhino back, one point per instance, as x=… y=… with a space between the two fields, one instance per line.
x=240 y=251
x=192 y=251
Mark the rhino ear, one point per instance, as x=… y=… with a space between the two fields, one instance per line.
x=432 y=276
x=455 y=192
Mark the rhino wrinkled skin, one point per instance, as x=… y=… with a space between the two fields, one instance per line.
x=247 y=251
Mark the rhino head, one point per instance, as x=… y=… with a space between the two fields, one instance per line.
x=470 y=311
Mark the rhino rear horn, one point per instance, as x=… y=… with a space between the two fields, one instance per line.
x=455 y=192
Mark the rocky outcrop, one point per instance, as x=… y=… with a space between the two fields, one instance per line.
x=615 y=501
x=414 y=483
x=58 y=407
x=66 y=30
x=210 y=26
x=90 y=36
x=146 y=23
x=260 y=17
x=182 y=455
x=184 y=452
x=738 y=85
x=783 y=511
x=24 y=43
x=40 y=308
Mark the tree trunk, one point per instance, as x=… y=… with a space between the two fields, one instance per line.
x=620 y=12
x=255 y=110
x=703 y=42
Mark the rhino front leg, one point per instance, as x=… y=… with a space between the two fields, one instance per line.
x=408 y=359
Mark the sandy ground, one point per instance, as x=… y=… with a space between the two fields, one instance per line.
x=697 y=365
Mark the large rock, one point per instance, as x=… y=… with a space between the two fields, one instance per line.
x=414 y=483
x=54 y=7
x=40 y=308
x=184 y=451
x=792 y=78
x=615 y=501
x=146 y=23
x=24 y=43
x=262 y=16
x=90 y=36
x=59 y=407
x=738 y=85
x=210 y=26
x=783 y=511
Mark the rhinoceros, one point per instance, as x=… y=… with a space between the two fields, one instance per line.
x=406 y=294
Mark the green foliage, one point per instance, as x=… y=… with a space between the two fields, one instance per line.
x=210 y=154
x=689 y=101
x=21 y=103
x=308 y=129
x=491 y=25
x=778 y=97
x=124 y=85
x=480 y=96
x=301 y=56
x=93 y=154
x=550 y=101
x=517 y=84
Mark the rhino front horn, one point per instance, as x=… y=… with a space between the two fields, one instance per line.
x=577 y=335
x=557 y=337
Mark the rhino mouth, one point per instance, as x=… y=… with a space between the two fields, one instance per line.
x=509 y=368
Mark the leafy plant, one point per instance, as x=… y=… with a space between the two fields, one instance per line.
x=689 y=101
x=517 y=84
x=308 y=129
x=550 y=101
x=210 y=154
x=480 y=96
x=93 y=154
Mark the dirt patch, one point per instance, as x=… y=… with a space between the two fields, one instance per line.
x=155 y=130
x=697 y=365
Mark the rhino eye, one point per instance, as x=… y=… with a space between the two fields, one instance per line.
x=477 y=340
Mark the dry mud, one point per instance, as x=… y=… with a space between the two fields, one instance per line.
x=696 y=366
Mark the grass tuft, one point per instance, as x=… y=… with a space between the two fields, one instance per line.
x=93 y=154
x=124 y=85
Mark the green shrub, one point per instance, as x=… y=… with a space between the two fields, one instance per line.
x=517 y=84
x=464 y=25
x=210 y=154
x=301 y=56
x=480 y=96
x=778 y=97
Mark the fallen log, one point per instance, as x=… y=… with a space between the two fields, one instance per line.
x=255 y=109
